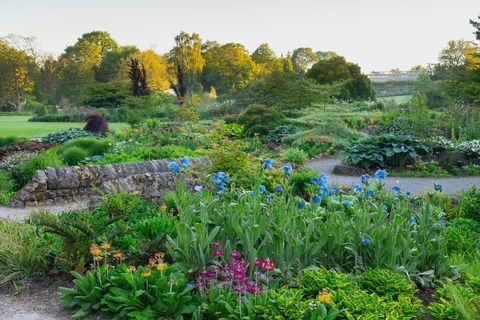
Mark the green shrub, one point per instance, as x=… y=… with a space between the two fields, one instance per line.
x=301 y=178
x=65 y=135
x=468 y=203
x=275 y=136
x=49 y=158
x=386 y=283
x=92 y=146
x=7 y=140
x=74 y=155
x=381 y=151
x=23 y=253
x=314 y=280
x=260 y=119
x=294 y=155
x=41 y=111
x=463 y=236
x=6 y=184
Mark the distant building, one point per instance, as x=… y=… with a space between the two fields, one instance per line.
x=394 y=83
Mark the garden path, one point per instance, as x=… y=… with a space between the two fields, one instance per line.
x=20 y=214
x=414 y=185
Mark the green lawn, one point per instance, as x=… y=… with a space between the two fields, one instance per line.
x=20 y=127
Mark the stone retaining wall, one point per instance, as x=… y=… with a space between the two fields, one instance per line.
x=149 y=179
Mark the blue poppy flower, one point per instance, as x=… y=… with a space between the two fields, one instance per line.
x=185 y=161
x=413 y=221
x=366 y=241
x=357 y=188
x=396 y=190
x=317 y=199
x=346 y=204
x=199 y=189
x=334 y=190
x=220 y=187
x=278 y=189
x=173 y=166
x=437 y=187
x=370 y=193
x=262 y=189
x=441 y=223
x=364 y=178
x=252 y=195
x=269 y=198
x=287 y=169
x=219 y=177
x=381 y=175
x=300 y=205
x=407 y=194
x=268 y=164
x=324 y=191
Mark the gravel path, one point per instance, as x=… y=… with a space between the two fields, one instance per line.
x=20 y=214
x=41 y=302
x=414 y=185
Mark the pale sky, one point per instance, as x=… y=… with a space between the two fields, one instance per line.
x=376 y=34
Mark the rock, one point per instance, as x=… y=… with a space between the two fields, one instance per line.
x=345 y=170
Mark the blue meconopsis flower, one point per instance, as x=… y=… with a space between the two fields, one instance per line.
x=396 y=190
x=346 y=204
x=287 y=169
x=199 y=189
x=185 y=161
x=324 y=191
x=269 y=198
x=268 y=164
x=173 y=166
x=381 y=175
x=413 y=221
x=366 y=241
x=316 y=199
x=219 y=177
x=364 y=178
x=370 y=192
x=300 y=205
x=252 y=195
x=441 y=223
x=262 y=189
x=334 y=190
x=357 y=188
x=278 y=189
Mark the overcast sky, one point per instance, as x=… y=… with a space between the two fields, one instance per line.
x=376 y=34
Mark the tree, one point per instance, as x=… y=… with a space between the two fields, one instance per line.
x=337 y=69
x=79 y=62
x=453 y=58
x=138 y=78
x=228 y=68
x=263 y=54
x=15 y=76
x=156 y=68
x=114 y=64
x=476 y=25
x=46 y=83
x=325 y=55
x=186 y=63
x=302 y=60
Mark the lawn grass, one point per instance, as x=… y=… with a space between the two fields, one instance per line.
x=19 y=126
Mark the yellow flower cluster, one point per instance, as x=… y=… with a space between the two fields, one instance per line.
x=324 y=296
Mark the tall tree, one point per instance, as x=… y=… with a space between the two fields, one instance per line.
x=79 y=62
x=115 y=63
x=302 y=60
x=476 y=25
x=186 y=63
x=337 y=69
x=156 y=68
x=228 y=68
x=15 y=76
x=263 y=54
x=138 y=78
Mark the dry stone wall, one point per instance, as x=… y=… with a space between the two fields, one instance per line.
x=148 y=179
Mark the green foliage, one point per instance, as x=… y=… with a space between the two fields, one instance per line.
x=276 y=135
x=23 y=253
x=92 y=146
x=386 y=283
x=49 y=158
x=314 y=280
x=294 y=155
x=381 y=151
x=6 y=183
x=463 y=236
x=300 y=179
x=118 y=292
x=41 y=111
x=260 y=119
x=418 y=115
x=73 y=155
x=65 y=135
x=5 y=141
x=468 y=204
x=337 y=69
